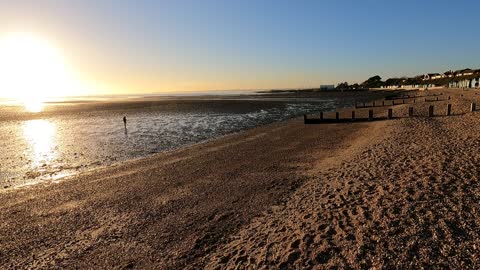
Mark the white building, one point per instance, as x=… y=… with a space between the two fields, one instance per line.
x=431 y=76
x=464 y=72
x=448 y=74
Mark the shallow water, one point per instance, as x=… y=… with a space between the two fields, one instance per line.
x=67 y=141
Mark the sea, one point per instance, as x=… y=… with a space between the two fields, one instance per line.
x=70 y=136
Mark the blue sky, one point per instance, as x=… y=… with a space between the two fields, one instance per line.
x=153 y=46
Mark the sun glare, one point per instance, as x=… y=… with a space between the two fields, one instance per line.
x=33 y=106
x=40 y=135
x=32 y=70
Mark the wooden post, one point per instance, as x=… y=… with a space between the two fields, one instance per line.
x=390 y=113
x=393 y=102
x=321 y=115
x=304 y=118
x=403 y=101
x=437 y=98
x=383 y=103
x=449 y=109
x=370 y=115
x=337 y=116
x=364 y=104
x=410 y=112
x=430 y=111
x=425 y=99
x=353 y=115
x=448 y=97
x=472 y=107
x=374 y=104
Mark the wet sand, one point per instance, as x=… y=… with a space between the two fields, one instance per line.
x=402 y=193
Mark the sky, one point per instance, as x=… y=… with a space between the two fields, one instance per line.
x=141 y=46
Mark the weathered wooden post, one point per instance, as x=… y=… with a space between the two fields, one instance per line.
x=321 y=115
x=353 y=115
x=414 y=100
x=393 y=102
x=410 y=112
x=390 y=113
x=448 y=97
x=473 y=107
x=403 y=101
x=437 y=98
x=430 y=111
x=383 y=103
x=425 y=99
x=449 y=109
x=337 y=116
x=304 y=118
x=370 y=115
x=374 y=104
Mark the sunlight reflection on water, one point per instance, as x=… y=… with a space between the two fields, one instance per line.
x=40 y=136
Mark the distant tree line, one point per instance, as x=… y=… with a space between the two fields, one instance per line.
x=373 y=82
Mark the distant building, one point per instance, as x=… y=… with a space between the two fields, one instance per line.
x=448 y=74
x=471 y=79
x=431 y=76
x=327 y=87
x=464 y=78
x=460 y=84
x=463 y=72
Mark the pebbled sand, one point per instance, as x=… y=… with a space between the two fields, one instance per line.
x=167 y=211
x=409 y=200
x=391 y=194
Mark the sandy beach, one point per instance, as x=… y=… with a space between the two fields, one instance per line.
x=402 y=193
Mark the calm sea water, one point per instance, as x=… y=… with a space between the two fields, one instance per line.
x=71 y=138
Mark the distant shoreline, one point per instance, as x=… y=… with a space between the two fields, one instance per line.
x=173 y=124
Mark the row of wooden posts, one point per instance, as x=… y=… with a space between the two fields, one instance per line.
x=412 y=96
x=389 y=114
x=374 y=104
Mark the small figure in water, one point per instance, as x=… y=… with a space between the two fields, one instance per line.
x=125 y=122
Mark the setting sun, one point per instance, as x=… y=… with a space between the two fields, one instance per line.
x=33 y=70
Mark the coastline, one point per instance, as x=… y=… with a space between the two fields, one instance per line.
x=282 y=195
x=193 y=197
x=89 y=136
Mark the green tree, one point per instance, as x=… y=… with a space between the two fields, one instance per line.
x=342 y=86
x=373 y=82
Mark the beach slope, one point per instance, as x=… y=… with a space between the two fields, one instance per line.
x=166 y=211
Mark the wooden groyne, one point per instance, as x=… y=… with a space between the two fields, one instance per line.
x=357 y=115
x=399 y=101
x=335 y=116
